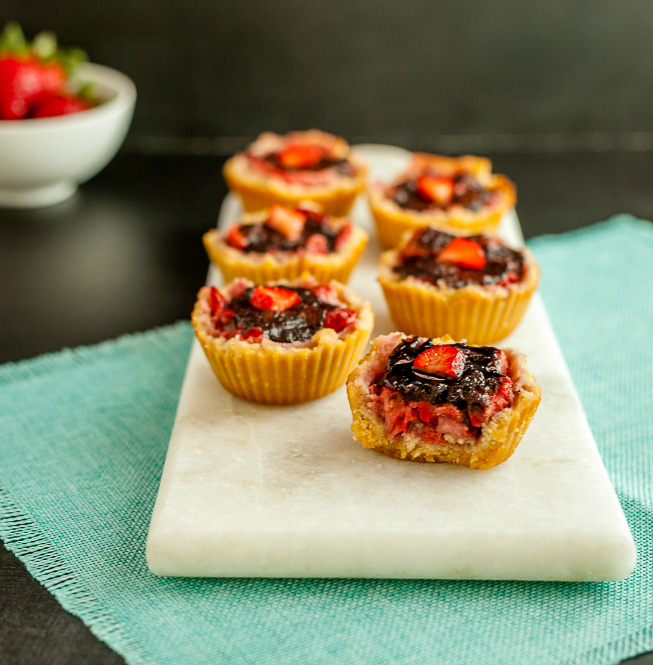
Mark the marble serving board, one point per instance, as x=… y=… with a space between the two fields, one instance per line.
x=285 y=491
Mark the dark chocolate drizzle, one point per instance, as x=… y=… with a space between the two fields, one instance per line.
x=341 y=166
x=503 y=265
x=480 y=380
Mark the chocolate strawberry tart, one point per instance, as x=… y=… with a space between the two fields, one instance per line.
x=284 y=243
x=475 y=288
x=436 y=400
x=281 y=343
x=298 y=166
x=460 y=194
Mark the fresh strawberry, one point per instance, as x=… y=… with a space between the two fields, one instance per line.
x=288 y=222
x=20 y=85
x=443 y=359
x=327 y=294
x=339 y=319
x=436 y=188
x=49 y=106
x=274 y=297
x=216 y=300
x=317 y=244
x=464 y=253
x=53 y=77
x=299 y=155
x=235 y=238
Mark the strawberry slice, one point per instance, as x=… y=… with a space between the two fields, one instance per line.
x=235 y=238
x=216 y=300
x=317 y=244
x=275 y=298
x=464 y=253
x=289 y=222
x=436 y=188
x=300 y=156
x=344 y=235
x=339 y=319
x=443 y=359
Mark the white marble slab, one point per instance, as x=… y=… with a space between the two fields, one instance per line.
x=258 y=491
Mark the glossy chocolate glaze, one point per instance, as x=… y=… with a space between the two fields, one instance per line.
x=479 y=381
x=503 y=265
x=296 y=324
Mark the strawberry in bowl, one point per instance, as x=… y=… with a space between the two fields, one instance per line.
x=61 y=119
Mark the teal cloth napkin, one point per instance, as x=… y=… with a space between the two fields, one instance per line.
x=83 y=437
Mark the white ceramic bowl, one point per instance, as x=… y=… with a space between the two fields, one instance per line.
x=42 y=161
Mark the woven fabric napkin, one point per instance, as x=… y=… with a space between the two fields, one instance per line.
x=83 y=436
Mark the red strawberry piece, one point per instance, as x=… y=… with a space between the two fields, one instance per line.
x=436 y=188
x=53 y=77
x=20 y=84
x=49 y=106
x=344 y=235
x=299 y=155
x=464 y=253
x=327 y=294
x=317 y=244
x=235 y=238
x=274 y=297
x=288 y=222
x=444 y=359
x=339 y=319
x=253 y=332
x=216 y=300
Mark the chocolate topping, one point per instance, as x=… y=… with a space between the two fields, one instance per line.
x=296 y=324
x=472 y=391
x=467 y=192
x=262 y=238
x=419 y=259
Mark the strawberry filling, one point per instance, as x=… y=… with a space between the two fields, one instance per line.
x=291 y=230
x=281 y=314
x=440 y=258
x=441 y=394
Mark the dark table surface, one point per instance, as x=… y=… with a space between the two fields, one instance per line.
x=125 y=254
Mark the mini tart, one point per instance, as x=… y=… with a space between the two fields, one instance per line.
x=482 y=313
x=252 y=366
x=298 y=166
x=387 y=421
x=293 y=245
x=456 y=194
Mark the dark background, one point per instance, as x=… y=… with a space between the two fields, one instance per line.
x=456 y=76
x=558 y=94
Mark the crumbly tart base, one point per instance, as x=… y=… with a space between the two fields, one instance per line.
x=262 y=268
x=274 y=373
x=479 y=314
x=392 y=221
x=499 y=436
x=257 y=191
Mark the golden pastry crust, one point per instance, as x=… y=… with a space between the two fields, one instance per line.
x=269 y=372
x=499 y=436
x=267 y=267
x=257 y=190
x=392 y=221
x=479 y=314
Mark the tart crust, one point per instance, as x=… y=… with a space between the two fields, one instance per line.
x=499 y=436
x=392 y=221
x=266 y=267
x=479 y=314
x=258 y=190
x=269 y=372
